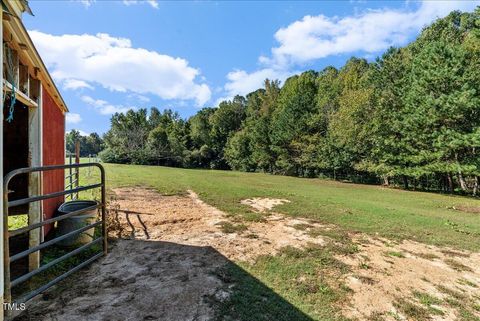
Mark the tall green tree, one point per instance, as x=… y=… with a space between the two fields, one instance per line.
x=348 y=132
x=296 y=105
x=226 y=120
x=126 y=141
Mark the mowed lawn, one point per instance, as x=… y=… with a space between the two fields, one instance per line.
x=425 y=217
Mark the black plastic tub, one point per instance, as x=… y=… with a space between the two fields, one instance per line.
x=76 y=222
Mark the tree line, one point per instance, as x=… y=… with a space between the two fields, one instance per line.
x=410 y=118
x=91 y=144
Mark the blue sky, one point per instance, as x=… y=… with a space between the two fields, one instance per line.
x=109 y=56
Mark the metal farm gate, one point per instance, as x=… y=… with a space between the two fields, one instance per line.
x=8 y=259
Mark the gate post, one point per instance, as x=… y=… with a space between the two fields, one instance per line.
x=1 y=176
x=34 y=183
x=77 y=161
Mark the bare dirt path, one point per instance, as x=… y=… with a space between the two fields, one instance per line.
x=166 y=271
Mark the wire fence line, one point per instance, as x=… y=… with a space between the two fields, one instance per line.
x=71 y=175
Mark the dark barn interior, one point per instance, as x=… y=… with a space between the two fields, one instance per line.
x=16 y=154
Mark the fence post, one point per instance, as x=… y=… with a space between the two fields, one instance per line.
x=77 y=161
x=70 y=176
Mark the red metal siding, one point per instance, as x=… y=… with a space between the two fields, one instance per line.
x=53 y=153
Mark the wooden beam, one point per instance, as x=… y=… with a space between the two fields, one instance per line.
x=16 y=34
x=34 y=185
x=24 y=99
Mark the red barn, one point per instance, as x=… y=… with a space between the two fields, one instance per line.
x=53 y=151
x=33 y=124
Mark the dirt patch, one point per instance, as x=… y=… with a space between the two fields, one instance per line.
x=138 y=280
x=263 y=204
x=166 y=270
x=189 y=220
x=467 y=209
x=402 y=271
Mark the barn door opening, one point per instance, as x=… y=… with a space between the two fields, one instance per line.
x=16 y=152
x=16 y=155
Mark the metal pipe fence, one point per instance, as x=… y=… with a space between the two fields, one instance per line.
x=8 y=283
x=72 y=178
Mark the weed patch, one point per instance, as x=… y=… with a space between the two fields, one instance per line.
x=412 y=311
x=452 y=293
x=365 y=279
x=426 y=299
x=458 y=266
x=395 y=254
x=427 y=256
x=339 y=241
x=228 y=227
x=463 y=281
x=454 y=253
x=464 y=304
x=429 y=301
x=302 y=226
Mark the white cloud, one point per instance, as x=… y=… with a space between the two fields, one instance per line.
x=75 y=84
x=82 y=133
x=87 y=3
x=73 y=118
x=104 y=107
x=140 y=98
x=241 y=83
x=372 y=31
x=114 y=64
x=316 y=37
x=152 y=3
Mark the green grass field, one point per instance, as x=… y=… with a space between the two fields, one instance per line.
x=396 y=214
x=306 y=284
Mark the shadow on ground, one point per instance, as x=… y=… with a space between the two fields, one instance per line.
x=157 y=280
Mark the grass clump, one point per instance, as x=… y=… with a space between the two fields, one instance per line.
x=253 y=217
x=376 y=316
x=429 y=300
x=411 y=310
x=251 y=236
x=457 y=266
x=229 y=228
x=344 y=248
x=338 y=241
x=395 y=254
x=426 y=298
x=302 y=226
x=454 y=253
x=366 y=279
x=463 y=281
x=452 y=293
x=427 y=256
